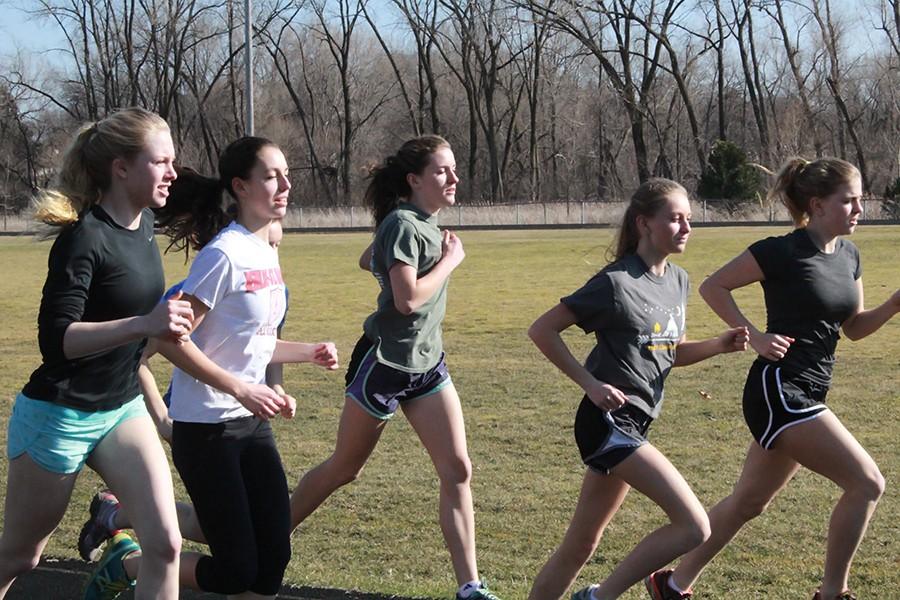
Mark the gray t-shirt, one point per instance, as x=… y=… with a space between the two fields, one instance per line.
x=638 y=319
x=410 y=343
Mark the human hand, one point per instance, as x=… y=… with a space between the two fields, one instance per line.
x=771 y=346
x=606 y=396
x=452 y=248
x=290 y=406
x=172 y=319
x=261 y=400
x=325 y=355
x=734 y=339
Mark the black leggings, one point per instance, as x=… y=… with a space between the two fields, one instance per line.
x=234 y=476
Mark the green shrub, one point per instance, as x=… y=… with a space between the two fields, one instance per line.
x=729 y=181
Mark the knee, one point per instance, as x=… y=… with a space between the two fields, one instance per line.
x=871 y=485
x=696 y=531
x=347 y=473
x=161 y=545
x=748 y=508
x=455 y=470
x=16 y=565
x=238 y=578
x=578 y=549
x=165 y=549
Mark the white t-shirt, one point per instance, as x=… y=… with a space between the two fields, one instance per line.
x=238 y=277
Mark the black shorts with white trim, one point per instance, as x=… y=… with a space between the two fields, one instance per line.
x=775 y=400
x=606 y=438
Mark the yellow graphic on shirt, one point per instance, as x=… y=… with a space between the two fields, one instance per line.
x=663 y=339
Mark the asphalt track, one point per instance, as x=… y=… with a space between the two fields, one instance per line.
x=63 y=579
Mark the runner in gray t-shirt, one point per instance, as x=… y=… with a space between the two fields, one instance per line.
x=399 y=360
x=636 y=308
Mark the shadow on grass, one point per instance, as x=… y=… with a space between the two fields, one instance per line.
x=65 y=578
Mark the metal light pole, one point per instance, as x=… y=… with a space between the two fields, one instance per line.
x=248 y=63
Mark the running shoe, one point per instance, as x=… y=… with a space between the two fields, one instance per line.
x=845 y=595
x=658 y=587
x=94 y=532
x=482 y=593
x=109 y=579
x=584 y=594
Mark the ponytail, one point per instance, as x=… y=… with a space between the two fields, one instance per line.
x=388 y=185
x=193 y=213
x=85 y=172
x=197 y=210
x=800 y=180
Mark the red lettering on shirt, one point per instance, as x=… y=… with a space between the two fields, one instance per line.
x=261 y=279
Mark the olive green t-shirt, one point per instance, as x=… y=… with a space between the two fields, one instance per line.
x=410 y=343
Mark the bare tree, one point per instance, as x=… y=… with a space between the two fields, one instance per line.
x=832 y=36
x=792 y=54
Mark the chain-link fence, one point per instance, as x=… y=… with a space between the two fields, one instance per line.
x=539 y=214
x=548 y=214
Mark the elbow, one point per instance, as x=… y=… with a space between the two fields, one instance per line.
x=56 y=345
x=852 y=335
x=705 y=289
x=536 y=333
x=404 y=307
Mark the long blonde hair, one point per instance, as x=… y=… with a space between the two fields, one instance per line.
x=800 y=180
x=86 y=166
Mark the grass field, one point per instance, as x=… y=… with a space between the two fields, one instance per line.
x=381 y=534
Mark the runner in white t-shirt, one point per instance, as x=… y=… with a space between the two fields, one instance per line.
x=106 y=514
x=222 y=443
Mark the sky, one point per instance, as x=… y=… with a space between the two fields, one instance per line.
x=19 y=30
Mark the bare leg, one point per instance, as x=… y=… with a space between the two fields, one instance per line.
x=825 y=446
x=358 y=432
x=132 y=462
x=600 y=498
x=36 y=500
x=648 y=471
x=438 y=421
x=187 y=521
x=764 y=475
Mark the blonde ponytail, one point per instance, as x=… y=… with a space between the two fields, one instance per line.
x=85 y=172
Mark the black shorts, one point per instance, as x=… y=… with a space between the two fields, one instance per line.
x=606 y=438
x=379 y=389
x=775 y=400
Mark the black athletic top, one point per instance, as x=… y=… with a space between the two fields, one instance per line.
x=97 y=271
x=808 y=294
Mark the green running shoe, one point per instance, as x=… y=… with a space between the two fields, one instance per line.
x=109 y=579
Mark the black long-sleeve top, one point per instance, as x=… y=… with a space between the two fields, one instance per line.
x=97 y=271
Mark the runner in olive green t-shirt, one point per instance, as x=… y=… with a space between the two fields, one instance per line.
x=399 y=360
x=407 y=342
